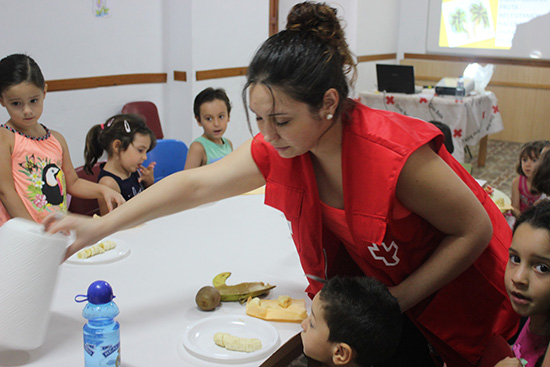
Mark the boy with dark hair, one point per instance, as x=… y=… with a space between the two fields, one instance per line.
x=212 y=110
x=353 y=322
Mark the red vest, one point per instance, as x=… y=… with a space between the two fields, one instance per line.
x=392 y=242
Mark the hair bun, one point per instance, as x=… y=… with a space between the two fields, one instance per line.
x=318 y=18
x=321 y=20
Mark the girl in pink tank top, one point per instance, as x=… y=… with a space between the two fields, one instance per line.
x=523 y=194
x=36 y=172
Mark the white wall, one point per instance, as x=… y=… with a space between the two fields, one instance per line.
x=142 y=36
x=68 y=41
x=226 y=34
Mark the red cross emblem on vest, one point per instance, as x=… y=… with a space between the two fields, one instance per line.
x=385 y=253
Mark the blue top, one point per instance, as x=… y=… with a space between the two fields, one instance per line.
x=129 y=187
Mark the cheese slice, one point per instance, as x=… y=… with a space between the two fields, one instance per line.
x=282 y=309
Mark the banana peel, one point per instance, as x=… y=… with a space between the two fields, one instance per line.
x=239 y=292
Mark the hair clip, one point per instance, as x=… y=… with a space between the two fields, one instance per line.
x=102 y=126
x=110 y=122
x=127 y=126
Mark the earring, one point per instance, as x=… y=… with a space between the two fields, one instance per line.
x=329 y=116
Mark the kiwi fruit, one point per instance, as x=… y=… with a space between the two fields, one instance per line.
x=208 y=298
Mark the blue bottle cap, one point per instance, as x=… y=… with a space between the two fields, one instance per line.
x=99 y=292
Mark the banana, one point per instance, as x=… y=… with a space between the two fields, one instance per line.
x=236 y=343
x=239 y=292
x=96 y=249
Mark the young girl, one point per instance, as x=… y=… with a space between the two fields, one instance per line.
x=541 y=177
x=126 y=139
x=211 y=108
x=527 y=280
x=523 y=193
x=36 y=172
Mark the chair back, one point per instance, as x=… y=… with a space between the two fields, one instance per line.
x=447 y=133
x=149 y=112
x=86 y=206
x=169 y=155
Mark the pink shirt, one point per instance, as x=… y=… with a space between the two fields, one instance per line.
x=37 y=175
x=530 y=346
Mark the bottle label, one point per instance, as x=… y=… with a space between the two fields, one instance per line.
x=89 y=348
x=107 y=350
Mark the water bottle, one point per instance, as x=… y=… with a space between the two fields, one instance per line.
x=101 y=332
x=460 y=91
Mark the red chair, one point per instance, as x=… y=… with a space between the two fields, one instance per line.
x=85 y=206
x=149 y=112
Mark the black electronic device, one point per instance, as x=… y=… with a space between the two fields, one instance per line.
x=395 y=78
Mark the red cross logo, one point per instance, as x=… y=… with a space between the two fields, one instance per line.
x=457 y=133
x=389 y=100
x=388 y=254
x=423 y=100
x=495 y=109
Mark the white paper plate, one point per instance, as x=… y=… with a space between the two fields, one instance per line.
x=198 y=338
x=121 y=250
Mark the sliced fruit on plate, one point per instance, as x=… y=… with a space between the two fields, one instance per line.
x=283 y=308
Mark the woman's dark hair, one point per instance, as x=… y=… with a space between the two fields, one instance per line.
x=19 y=68
x=541 y=177
x=119 y=127
x=361 y=312
x=306 y=59
x=529 y=150
x=209 y=95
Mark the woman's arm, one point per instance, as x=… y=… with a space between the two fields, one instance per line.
x=9 y=197
x=515 y=197
x=196 y=156
x=82 y=188
x=235 y=174
x=429 y=187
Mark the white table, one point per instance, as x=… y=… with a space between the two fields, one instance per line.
x=471 y=119
x=171 y=258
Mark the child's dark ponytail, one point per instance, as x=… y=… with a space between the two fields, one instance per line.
x=122 y=127
x=93 y=150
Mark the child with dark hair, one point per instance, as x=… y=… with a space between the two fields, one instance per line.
x=126 y=139
x=36 y=171
x=211 y=109
x=527 y=280
x=541 y=177
x=354 y=321
x=523 y=193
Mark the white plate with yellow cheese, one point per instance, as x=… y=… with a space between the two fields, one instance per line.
x=106 y=251
x=198 y=338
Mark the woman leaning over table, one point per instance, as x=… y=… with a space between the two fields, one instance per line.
x=365 y=191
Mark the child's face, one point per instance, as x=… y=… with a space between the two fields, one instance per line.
x=527 y=276
x=315 y=334
x=528 y=165
x=136 y=153
x=24 y=103
x=214 y=119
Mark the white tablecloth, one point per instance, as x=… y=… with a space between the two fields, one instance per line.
x=469 y=119
x=171 y=258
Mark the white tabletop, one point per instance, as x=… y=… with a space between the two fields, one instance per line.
x=171 y=258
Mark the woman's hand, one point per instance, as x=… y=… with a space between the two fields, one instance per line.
x=88 y=230
x=147 y=174
x=111 y=197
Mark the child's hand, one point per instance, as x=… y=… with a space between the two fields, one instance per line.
x=111 y=197
x=509 y=362
x=147 y=174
